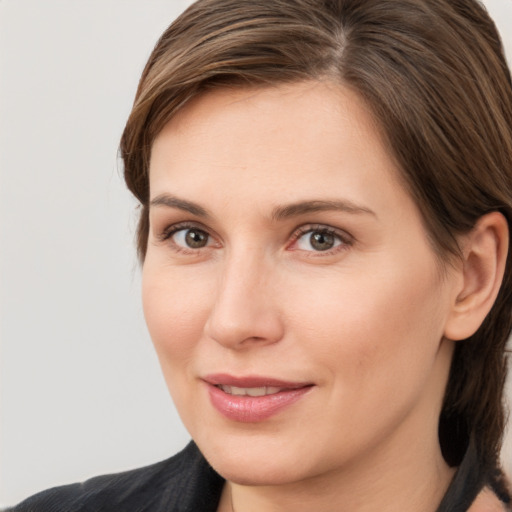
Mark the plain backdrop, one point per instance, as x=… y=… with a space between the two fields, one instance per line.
x=80 y=388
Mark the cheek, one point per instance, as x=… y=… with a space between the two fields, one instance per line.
x=366 y=328
x=175 y=309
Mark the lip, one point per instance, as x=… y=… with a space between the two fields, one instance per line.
x=253 y=409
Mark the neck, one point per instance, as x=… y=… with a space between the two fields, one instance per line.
x=379 y=487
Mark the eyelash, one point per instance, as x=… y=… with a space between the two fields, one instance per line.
x=174 y=228
x=170 y=231
x=345 y=240
x=343 y=237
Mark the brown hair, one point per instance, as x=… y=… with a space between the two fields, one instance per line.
x=434 y=74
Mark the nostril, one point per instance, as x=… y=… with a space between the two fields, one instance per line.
x=241 y=330
x=243 y=311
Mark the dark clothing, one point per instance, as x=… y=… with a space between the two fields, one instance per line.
x=469 y=480
x=187 y=483
x=183 y=483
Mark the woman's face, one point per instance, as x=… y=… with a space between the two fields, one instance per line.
x=289 y=287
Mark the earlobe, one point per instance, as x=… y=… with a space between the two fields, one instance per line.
x=485 y=250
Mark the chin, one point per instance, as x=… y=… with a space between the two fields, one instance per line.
x=257 y=461
x=254 y=473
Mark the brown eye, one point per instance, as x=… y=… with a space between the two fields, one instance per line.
x=196 y=238
x=318 y=240
x=191 y=238
x=322 y=241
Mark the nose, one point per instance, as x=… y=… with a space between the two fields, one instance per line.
x=245 y=312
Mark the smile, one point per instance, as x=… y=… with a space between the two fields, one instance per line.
x=261 y=391
x=252 y=399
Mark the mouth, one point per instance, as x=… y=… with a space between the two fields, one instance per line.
x=259 y=391
x=252 y=399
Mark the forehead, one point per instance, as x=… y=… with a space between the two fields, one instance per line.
x=297 y=139
x=308 y=116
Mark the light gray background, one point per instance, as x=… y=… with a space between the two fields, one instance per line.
x=80 y=388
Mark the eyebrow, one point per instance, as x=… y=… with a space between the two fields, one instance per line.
x=179 y=204
x=304 y=207
x=278 y=213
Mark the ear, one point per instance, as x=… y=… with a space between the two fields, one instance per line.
x=481 y=272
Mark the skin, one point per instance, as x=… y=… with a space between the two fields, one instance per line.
x=364 y=322
x=487 y=502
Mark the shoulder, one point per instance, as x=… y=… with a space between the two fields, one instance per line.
x=175 y=484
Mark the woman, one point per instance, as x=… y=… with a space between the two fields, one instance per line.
x=326 y=192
